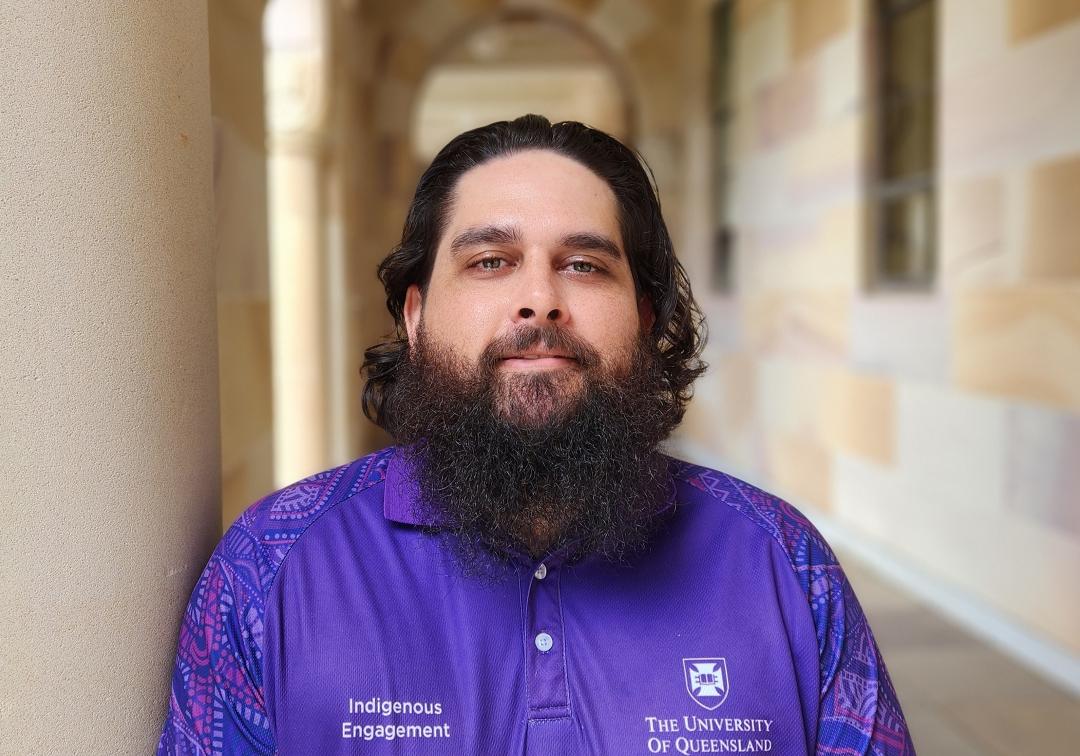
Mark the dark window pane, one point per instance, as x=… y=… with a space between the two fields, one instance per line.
x=908 y=92
x=904 y=187
x=722 y=258
x=722 y=104
x=907 y=228
x=722 y=53
x=721 y=170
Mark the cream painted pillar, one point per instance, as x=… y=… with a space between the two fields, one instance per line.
x=109 y=463
x=296 y=75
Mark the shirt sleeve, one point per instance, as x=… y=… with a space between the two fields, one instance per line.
x=859 y=712
x=217 y=704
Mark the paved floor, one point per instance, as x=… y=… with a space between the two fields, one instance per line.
x=960 y=696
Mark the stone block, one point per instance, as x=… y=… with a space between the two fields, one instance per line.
x=825 y=165
x=973 y=232
x=1020 y=342
x=789 y=394
x=815 y=23
x=811 y=325
x=842 y=75
x=721 y=418
x=971 y=33
x=857 y=415
x=736 y=379
x=1013 y=108
x=1028 y=19
x=906 y=337
x=786 y=107
x=1042 y=477
x=1052 y=251
x=800 y=469
x=870 y=499
x=952 y=447
x=819 y=254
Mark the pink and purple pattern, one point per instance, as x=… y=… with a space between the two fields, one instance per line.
x=859 y=711
x=217 y=703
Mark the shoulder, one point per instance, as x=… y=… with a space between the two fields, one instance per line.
x=269 y=528
x=813 y=563
x=778 y=520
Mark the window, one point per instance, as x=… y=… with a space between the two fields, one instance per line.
x=902 y=190
x=722 y=102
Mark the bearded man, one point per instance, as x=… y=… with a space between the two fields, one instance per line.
x=527 y=571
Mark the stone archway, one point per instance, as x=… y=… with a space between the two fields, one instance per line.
x=518 y=61
x=409 y=54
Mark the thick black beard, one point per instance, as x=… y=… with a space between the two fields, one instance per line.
x=512 y=466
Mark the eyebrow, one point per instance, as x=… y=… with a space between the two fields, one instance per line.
x=582 y=240
x=477 y=235
x=591 y=242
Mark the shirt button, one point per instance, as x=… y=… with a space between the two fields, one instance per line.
x=543 y=642
x=541 y=572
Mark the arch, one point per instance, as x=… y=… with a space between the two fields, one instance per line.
x=574 y=28
x=396 y=92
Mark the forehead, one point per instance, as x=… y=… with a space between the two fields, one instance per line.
x=540 y=191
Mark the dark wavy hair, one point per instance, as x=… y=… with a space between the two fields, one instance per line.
x=679 y=329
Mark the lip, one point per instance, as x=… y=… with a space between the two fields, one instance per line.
x=537 y=356
x=537 y=361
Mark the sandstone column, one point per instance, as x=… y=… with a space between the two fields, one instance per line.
x=109 y=461
x=296 y=73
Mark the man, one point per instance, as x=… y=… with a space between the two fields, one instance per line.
x=527 y=572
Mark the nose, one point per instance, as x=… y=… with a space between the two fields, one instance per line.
x=525 y=313
x=538 y=300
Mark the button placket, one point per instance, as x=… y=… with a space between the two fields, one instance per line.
x=546 y=660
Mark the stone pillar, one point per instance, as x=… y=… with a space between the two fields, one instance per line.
x=296 y=77
x=109 y=461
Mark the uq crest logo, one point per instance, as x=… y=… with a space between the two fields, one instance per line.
x=706 y=681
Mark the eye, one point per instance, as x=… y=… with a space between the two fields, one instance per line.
x=583 y=266
x=489 y=263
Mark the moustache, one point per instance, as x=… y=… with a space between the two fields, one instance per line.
x=553 y=338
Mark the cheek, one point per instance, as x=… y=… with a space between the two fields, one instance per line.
x=467 y=324
x=611 y=324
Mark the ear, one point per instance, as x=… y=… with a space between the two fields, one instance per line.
x=413 y=309
x=646 y=313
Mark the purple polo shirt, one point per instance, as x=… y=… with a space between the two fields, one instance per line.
x=332 y=619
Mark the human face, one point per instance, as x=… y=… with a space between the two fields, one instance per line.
x=532 y=241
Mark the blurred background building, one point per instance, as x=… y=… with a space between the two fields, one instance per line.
x=877 y=201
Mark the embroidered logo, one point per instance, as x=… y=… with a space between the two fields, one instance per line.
x=706 y=681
